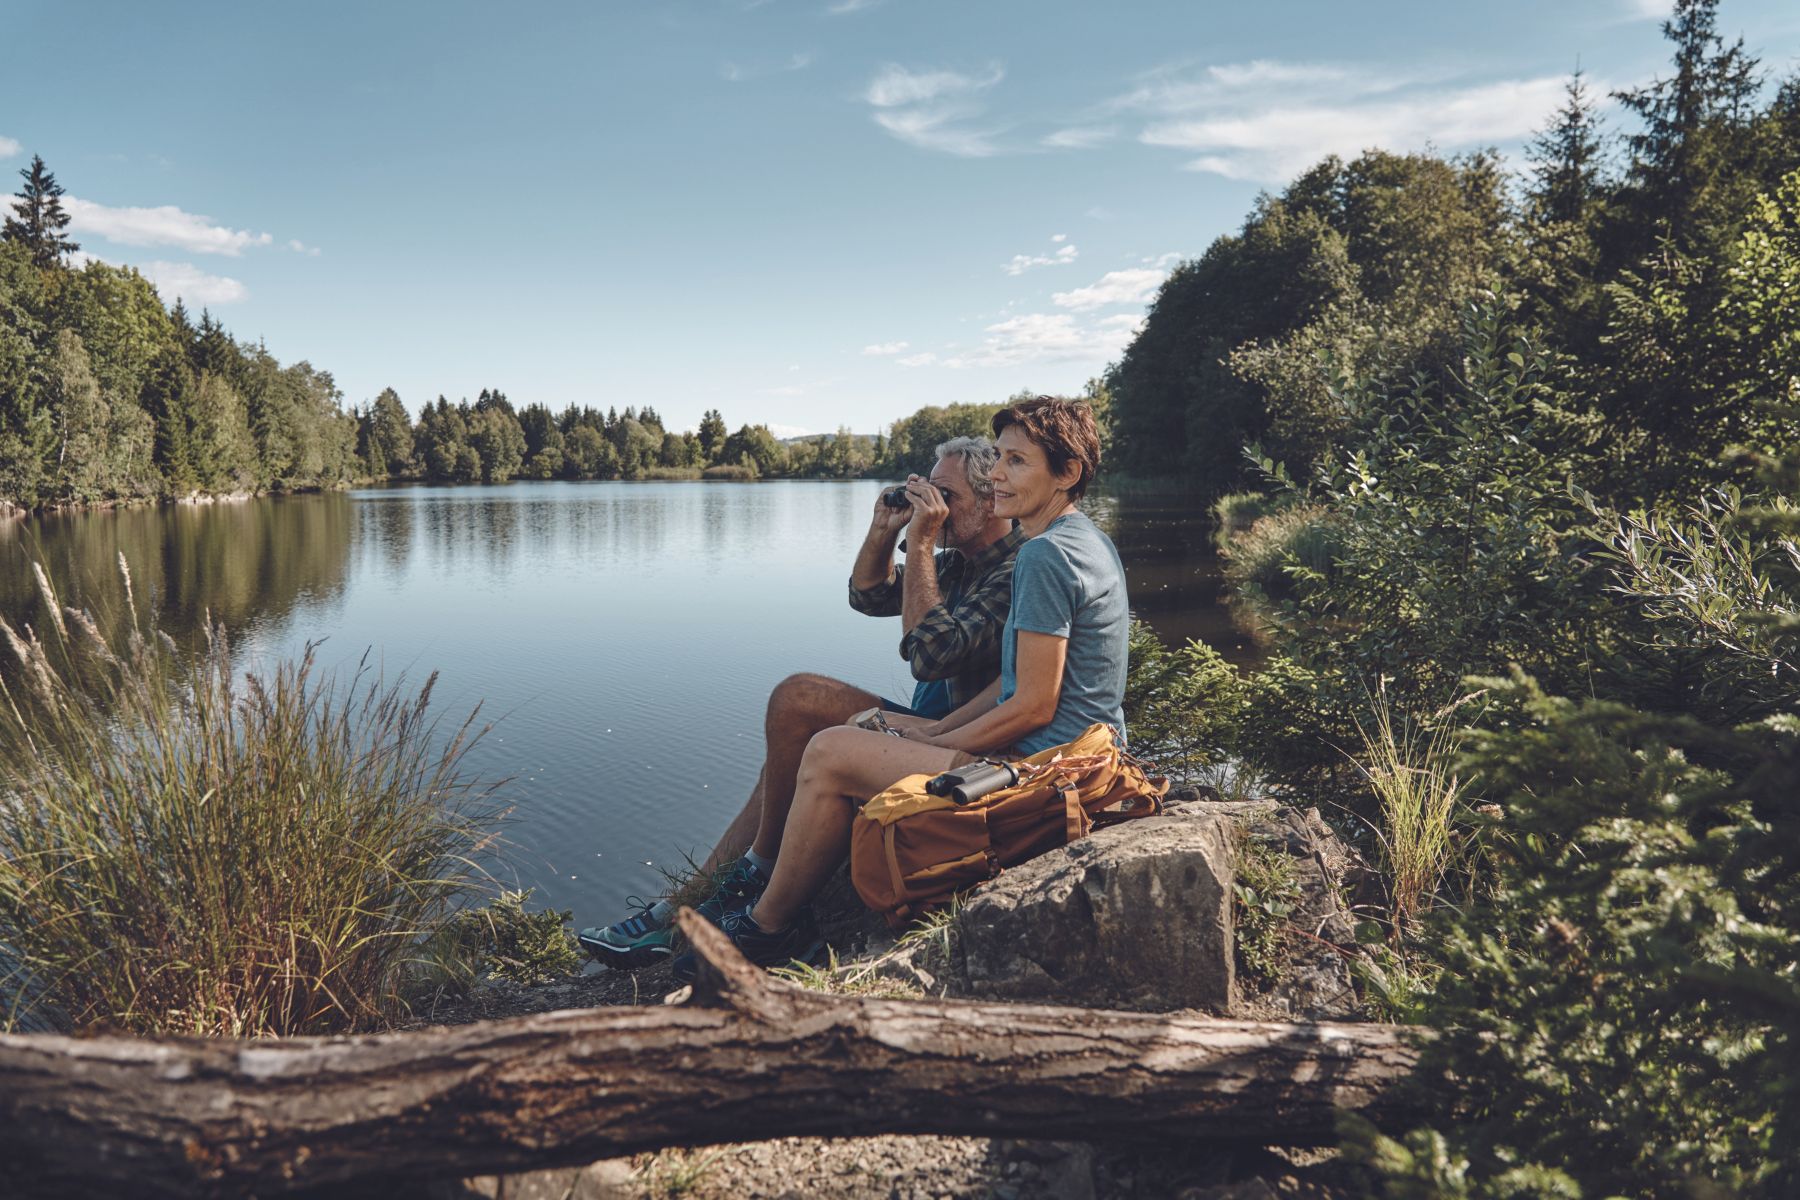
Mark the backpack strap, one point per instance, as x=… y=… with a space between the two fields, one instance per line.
x=1076 y=822
x=893 y=865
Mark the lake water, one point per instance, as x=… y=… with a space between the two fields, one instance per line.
x=622 y=636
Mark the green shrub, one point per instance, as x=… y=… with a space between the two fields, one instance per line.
x=1281 y=556
x=1182 y=706
x=506 y=942
x=182 y=852
x=1264 y=895
x=1621 y=1013
x=1623 y=1006
x=1236 y=512
x=1460 y=549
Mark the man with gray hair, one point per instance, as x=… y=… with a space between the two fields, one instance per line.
x=951 y=595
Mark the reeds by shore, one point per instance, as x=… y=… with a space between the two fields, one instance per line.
x=186 y=851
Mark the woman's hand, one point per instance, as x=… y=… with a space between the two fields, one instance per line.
x=926 y=735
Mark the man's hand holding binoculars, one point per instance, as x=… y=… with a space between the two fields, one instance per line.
x=924 y=505
x=917 y=506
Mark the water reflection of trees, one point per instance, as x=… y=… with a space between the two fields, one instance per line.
x=243 y=561
x=458 y=532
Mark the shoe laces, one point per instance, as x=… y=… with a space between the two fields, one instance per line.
x=737 y=920
x=742 y=877
x=639 y=922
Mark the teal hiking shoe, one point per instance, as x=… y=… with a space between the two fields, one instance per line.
x=799 y=942
x=637 y=941
x=741 y=886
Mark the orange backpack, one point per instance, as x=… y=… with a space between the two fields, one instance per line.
x=911 y=851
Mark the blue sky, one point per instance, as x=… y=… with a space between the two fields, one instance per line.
x=807 y=212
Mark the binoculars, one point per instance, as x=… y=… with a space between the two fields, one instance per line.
x=966 y=784
x=896 y=497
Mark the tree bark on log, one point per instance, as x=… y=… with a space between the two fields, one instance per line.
x=745 y=1058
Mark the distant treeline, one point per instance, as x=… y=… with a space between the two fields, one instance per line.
x=490 y=441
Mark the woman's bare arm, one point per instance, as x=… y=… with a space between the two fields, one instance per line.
x=1039 y=672
x=982 y=702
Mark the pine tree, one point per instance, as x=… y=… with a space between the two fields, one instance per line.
x=1690 y=119
x=213 y=349
x=171 y=398
x=712 y=435
x=1565 y=157
x=39 y=220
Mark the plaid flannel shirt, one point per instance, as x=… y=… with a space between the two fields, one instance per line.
x=957 y=639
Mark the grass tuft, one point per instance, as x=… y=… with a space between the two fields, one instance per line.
x=186 y=852
x=502 y=941
x=927 y=944
x=1407 y=765
x=675 y=1172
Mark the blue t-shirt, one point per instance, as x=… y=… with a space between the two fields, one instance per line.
x=1068 y=582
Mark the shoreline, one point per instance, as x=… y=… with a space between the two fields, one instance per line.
x=11 y=510
x=14 y=511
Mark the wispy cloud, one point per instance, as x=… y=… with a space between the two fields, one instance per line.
x=300 y=247
x=846 y=7
x=736 y=72
x=193 y=285
x=1043 y=338
x=896 y=85
x=165 y=225
x=884 y=349
x=1065 y=253
x=1079 y=137
x=935 y=110
x=9 y=147
x=1267 y=120
x=781 y=391
x=1648 y=10
x=1082 y=333
x=1134 y=285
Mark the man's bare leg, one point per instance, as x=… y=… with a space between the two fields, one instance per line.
x=800 y=706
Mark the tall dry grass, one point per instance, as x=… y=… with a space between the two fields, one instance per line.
x=185 y=851
x=1409 y=766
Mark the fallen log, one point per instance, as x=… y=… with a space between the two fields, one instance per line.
x=744 y=1058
